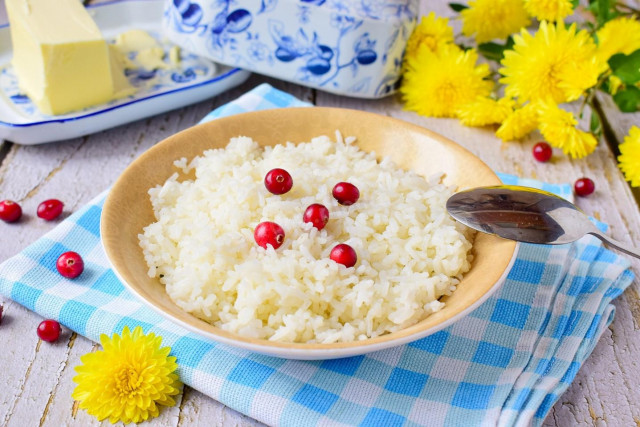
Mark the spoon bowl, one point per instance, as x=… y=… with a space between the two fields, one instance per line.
x=526 y=215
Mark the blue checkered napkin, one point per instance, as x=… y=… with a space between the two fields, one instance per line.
x=506 y=363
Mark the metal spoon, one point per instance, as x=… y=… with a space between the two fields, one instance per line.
x=526 y=215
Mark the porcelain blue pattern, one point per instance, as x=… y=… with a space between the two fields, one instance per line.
x=349 y=47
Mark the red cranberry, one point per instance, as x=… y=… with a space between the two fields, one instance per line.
x=49 y=330
x=278 y=181
x=584 y=187
x=50 y=209
x=344 y=254
x=316 y=214
x=346 y=193
x=542 y=152
x=70 y=265
x=10 y=211
x=269 y=233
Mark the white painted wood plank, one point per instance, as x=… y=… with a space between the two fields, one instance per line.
x=38 y=384
x=518 y=162
x=77 y=170
x=606 y=389
x=613 y=365
x=196 y=409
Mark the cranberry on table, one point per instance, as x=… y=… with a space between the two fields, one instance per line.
x=346 y=193
x=50 y=209
x=49 y=330
x=70 y=265
x=584 y=187
x=316 y=214
x=10 y=211
x=344 y=254
x=278 y=181
x=268 y=233
x=542 y=152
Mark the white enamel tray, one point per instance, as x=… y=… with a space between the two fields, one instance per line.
x=196 y=79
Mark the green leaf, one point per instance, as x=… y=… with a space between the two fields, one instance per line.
x=457 y=7
x=603 y=12
x=495 y=51
x=628 y=100
x=575 y=3
x=509 y=44
x=626 y=67
x=603 y=7
x=492 y=50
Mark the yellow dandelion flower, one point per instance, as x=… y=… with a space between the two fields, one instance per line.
x=437 y=85
x=128 y=379
x=432 y=32
x=558 y=127
x=493 y=19
x=485 y=111
x=520 y=123
x=549 y=10
x=620 y=35
x=556 y=63
x=630 y=157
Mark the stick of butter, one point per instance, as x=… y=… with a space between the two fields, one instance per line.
x=60 y=57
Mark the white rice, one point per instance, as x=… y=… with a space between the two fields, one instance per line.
x=410 y=252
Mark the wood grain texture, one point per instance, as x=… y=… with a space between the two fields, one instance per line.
x=607 y=387
x=37 y=376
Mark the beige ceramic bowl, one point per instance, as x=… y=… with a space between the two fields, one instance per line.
x=128 y=209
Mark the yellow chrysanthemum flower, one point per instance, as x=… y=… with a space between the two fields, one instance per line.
x=128 y=379
x=549 y=10
x=558 y=127
x=630 y=157
x=556 y=63
x=432 y=32
x=485 y=111
x=437 y=85
x=493 y=19
x=520 y=123
x=620 y=35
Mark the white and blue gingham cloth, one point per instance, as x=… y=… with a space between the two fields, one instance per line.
x=506 y=363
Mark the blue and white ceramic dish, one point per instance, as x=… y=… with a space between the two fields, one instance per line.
x=195 y=79
x=349 y=47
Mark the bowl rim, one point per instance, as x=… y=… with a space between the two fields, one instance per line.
x=301 y=351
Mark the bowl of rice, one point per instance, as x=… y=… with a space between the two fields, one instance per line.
x=178 y=228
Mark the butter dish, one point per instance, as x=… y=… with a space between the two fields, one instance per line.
x=348 y=47
x=156 y=91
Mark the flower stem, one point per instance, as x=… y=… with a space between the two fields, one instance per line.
x=592 y=92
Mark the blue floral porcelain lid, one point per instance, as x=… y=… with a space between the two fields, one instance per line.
x=351 y=47
x=383 y=10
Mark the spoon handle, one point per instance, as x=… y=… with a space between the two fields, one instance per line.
x=622 y=247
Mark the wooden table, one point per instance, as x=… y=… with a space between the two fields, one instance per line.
x=37 y=377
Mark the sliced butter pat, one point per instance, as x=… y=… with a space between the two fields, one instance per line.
x=121 y=86
x=60 y=57
x=148 y=53
x=135 y=41
x=174 y=55
x=151 y=59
